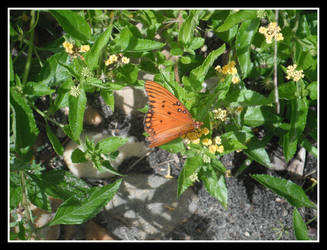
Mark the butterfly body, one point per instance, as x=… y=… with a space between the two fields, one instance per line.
x=167 y=118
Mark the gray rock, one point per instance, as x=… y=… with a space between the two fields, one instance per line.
x=146 y=207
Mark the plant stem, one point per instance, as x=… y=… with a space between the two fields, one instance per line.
x=275 y=72
x=45 y=116
x=30 y=49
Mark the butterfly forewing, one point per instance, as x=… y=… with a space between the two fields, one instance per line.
x=167 y=117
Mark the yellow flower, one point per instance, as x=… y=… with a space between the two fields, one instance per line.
x=125 y=60
x=217 y=140
x=262 y=30
x=206 y=142
x=279 y=37
x=84 y=48
x=220 y=114
x=233 y=71
x=271 y=32
x=218 y=68
x=213 y=148
x=192 y=135
x=198 y=132
x=235 y=79
x=293 y=73
x=205 y=131
x=68 y=47
x=229 y=69
x=112 y=59
x=220 y=149
x=196 y=141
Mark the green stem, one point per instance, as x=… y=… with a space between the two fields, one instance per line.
x=30 y=49
x=45 y=116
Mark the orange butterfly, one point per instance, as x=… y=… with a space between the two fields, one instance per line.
x=167 y=117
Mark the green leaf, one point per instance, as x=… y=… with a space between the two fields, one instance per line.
x=257 y=152
x=187 y=29
x=109 y=98
x=300 y=228
x=298 y=117
x=109 y=168
x=77 y=210
x=37 y=195
x=78 y=156
x=308 y=146
x=289 y=147
x=286 y=91
x=198 y=74
x=174 y=146
x=255 y=116
x=293 y=193
x=234 y=140
x=246 y=97
x=127 y=42
x=72 y=23
x=60 y=184
x=59 y=149
x=15 y=191
x=196 y=43
x=37 y=89
x=236 y=18
x=93 y=56
x=191 y=166
x=243 y=42
x=62 y=97
x=185 y=60
x=111 y=144
x=24 y=126
x=76 y=113
x=53 y=72
x=312 y=87
x=215 y=184
x=127 y=73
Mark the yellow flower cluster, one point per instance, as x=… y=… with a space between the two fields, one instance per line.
x=125 y=60
x=194 y=136
x=213 y=146
x=293 y=73
x=272 y=31
x=229 y=69
x=72 y=50
x=68 y=47
x=114 y=58
x=220 y=114
x=84 y=48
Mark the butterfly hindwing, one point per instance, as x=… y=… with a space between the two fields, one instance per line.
x=167 y=117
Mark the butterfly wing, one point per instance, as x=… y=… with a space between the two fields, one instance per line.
x=167 y=117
